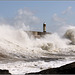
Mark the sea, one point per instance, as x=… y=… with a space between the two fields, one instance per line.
x=21 y=53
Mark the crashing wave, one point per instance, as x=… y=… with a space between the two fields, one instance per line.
x=70 y=34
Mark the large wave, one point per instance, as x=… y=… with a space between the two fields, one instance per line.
x=16 y=43
x=21 y=49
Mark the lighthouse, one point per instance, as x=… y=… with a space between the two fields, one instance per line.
x=44 y=27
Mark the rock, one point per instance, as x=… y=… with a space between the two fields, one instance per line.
x=66 y=69
x=70 y=34
x=5 y=72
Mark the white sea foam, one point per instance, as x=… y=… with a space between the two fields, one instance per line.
x=22 y=67
x=16 y=44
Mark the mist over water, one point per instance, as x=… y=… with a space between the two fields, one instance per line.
x=21 y=53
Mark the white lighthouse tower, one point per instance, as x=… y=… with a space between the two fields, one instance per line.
x=44 y=27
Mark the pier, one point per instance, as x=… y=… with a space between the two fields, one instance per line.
x=38 y=34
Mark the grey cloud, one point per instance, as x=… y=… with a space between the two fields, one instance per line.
x=67 y=11
x=58 y=20
x=26 y=17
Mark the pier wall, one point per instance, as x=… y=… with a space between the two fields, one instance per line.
x=37 y=34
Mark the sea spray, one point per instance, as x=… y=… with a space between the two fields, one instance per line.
x=17 y=43
x=52 y=43
x=29 y=54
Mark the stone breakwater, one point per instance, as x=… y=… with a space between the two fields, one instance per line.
x=6 y=72
x=66 y=69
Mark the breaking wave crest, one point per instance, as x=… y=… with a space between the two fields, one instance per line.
x=23 y=53
x=16 y=43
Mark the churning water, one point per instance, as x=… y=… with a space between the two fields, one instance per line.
x=22 y=54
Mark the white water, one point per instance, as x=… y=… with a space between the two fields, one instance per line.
x=22 y=54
